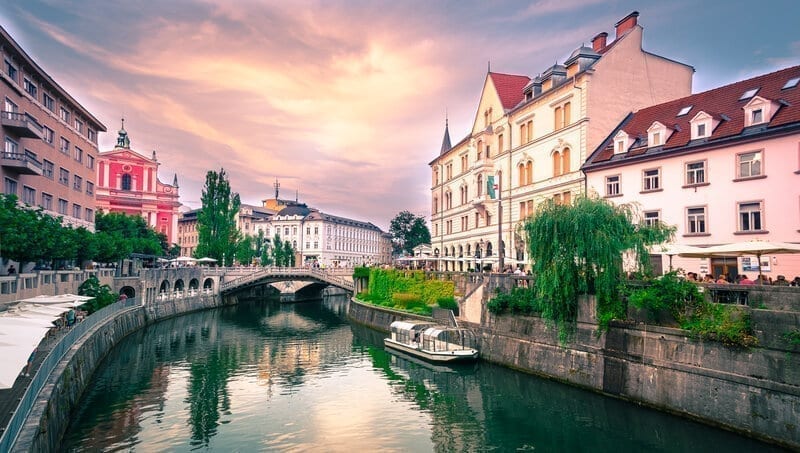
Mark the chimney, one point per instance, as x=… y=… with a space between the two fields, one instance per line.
x=599 y=42
x=626 y=23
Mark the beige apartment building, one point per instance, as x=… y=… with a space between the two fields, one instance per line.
x=530 y=138
x=49 y=139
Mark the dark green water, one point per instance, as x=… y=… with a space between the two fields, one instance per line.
x=270 y=377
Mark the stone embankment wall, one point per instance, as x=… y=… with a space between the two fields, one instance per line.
x=378 y=318
x=50 y=417
x=755 y=392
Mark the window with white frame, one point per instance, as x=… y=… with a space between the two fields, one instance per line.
x=11 y=148
x=49 y=102
x=612 y=185
x=757 y=116
x=749 y=164
x=695 y=173
x=751 y=216
x=651 y=179
x=76 y=211
x=64 y=146
x=11 y=106
x=651 y=217
x=11 y=71
x=48 y=135
x=30 y=88
x=696 y=220
x=701 y=130
x=64 y=114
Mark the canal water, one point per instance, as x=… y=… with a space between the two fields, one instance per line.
x=262 y=376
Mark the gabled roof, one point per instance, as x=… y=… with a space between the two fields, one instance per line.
x=723 y=103
x=509 y=88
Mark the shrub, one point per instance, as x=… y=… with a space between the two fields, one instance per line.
x=361 y=272
x=102 y=294
x=666 y=293
x=519 y=300
x=448 y=303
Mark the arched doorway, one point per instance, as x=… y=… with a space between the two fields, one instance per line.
x=128 y=291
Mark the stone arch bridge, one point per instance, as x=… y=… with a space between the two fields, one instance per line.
x=315 y=279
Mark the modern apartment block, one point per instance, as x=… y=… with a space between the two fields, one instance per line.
x=50 y=140
x=721 y=166
x=530 y=137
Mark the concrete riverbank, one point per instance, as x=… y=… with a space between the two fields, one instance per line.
x=755 y=392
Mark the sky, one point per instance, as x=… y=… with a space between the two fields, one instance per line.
x=344 y=102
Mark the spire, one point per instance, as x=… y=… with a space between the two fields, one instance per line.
x=297 y=195
x=122 y=139
x=175 y=181
x=446 y=146
x=277 y=187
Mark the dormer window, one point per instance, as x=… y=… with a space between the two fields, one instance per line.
x=657 y=134
x=759 y=111
x=791 y=83
x=702 y=125
x=622 y=142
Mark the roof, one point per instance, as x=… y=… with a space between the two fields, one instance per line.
x=298 y=209
x=509 y=88
x=723 y=104
x=446 y=146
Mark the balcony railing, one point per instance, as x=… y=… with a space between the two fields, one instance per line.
x=22 y=124
x=22 y=163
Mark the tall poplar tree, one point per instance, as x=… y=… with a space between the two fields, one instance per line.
x=216 y=225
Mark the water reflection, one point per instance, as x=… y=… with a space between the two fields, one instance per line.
x=265 y=376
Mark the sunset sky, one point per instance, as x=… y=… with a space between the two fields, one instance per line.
x=345 y=101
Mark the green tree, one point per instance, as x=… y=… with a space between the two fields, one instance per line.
x=408 y=231
x=277 y=250
x=579 y=249
x=245 y=250
x=103 y=295
x=289 y=257
x=216 y=227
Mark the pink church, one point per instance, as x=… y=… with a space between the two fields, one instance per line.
x=128 y=182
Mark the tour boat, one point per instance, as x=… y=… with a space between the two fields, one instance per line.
x=432 y=341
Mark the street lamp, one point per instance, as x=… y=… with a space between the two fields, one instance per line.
x=478 y=254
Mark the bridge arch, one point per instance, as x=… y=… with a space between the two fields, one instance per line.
x=128 y=291
x=194 y=284
x=165 y=286
x=208 y=284
x=178 y=285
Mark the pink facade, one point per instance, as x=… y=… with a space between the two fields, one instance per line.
x=727 y=170
x=128 y=182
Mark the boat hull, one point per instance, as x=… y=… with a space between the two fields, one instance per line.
x=432 y=356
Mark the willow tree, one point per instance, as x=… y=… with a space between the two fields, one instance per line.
x=579 y=249
x=217 y=234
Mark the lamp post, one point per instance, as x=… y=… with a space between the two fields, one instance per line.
x=500 y=245
x=479 y=255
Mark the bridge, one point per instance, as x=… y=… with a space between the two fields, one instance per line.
x=262 y=276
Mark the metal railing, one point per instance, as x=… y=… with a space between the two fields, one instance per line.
x=50 y=362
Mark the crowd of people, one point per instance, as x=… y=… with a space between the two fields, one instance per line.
x=743 y=279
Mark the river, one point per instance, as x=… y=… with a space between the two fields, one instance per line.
x=265 y=376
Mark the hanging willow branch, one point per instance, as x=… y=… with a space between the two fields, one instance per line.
x=578 y=249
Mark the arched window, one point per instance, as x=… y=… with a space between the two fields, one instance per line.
x=529 y=172
x=480 y=185
x=522 y=175
x=126 y=181
x=556 y=163
x=559 y=118
x=565 y=160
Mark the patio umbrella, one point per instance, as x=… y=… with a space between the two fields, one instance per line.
x=750 y=248
x=206 y=259
x=183 y=259
x=59 y=299
x=676 y=249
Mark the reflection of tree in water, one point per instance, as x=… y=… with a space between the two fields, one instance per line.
x=208 y=391
x=456 y=426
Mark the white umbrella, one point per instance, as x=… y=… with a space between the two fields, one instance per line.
x=677 y=249
x=183 y=259
x=206 y=259
x=59 y=299
x=749 y=248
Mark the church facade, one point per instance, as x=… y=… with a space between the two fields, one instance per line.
x=127 y=182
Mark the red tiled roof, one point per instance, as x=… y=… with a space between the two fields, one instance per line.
x=509 y=87
x=723 y=103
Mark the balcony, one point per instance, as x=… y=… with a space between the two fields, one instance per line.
x=21 y=124
x=482 y=165
x=21 y=163
x=481 y=201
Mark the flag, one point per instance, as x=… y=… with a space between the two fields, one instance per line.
x=490 y=187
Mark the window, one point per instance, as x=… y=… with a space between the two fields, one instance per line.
x=11 y=148
x=701 y=130
x=791 y=83
x=64 y=113
x=28 y=195
x=567 y=114
x=435 y=208
x=558 y=118
x=308 y=231
x=749 y=164
x=77 y=183
x=565 y=161
x=612 y=185
x=500 y=143
x=696 y=220
x=62 y=206
x=316 y=230
x=78 y=154
x=750 y=216
x=685 y=110
x=48 y=102
x=126 y=182
x=748 y=94
x=756 y=116
x=294 y=231
x=91 y=134
x=90 y=161
x=89 y=215
x=480 y=185
x=48 y=135
x=695 y=173
x=47 y=169
x=10 y=186
x=652 y=217
x=78 y=126
x=47 y=201
x=464 y=163
x=523 y=180
x=76 y=211
x=64 y=146
x=63 y=176
x=30 y=88
x=11 y=71
x=89 y=188
x=11 y=106
x=523 y=133
x=651 y=179
x=285 y=231
x=556 y=163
